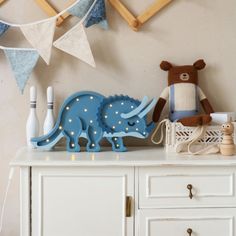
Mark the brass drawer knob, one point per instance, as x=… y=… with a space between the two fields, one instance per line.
x=190 y=188
x=189 y=231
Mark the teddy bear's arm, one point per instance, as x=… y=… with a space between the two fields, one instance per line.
x=207 y=106
x=205 y=102
x=158 y=109
x=160 y=104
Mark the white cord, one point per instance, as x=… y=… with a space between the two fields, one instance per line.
x=197 y=134
x=161 y=126
x=52 y=17
x=11 y=173
x=18 y=49
x=41 y=21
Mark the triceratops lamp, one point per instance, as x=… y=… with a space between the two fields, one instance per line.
x=92 y=116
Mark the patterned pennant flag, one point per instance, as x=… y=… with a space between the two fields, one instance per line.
x=40 y=36
x=22 y=62
x=97 y=14
x=3 y=28
x=81 y=8
x=75 y=43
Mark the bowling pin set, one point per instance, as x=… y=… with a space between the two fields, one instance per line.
x=32 y=124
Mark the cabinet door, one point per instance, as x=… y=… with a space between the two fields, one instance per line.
x=81 y=201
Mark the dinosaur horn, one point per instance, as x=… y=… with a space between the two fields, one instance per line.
x=147 y=108
x=136 y=110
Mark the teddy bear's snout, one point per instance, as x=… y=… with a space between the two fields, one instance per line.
x=184 y=76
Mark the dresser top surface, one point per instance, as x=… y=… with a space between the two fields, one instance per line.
x=136 y=156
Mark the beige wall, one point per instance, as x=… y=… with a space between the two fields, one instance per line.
x=127 y=62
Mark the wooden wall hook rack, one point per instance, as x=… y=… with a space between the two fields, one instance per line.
x=136 y=22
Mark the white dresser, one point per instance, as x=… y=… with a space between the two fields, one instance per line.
x=143 y=192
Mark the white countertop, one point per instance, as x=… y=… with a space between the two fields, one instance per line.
x=136 y=156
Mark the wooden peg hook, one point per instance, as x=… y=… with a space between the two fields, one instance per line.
x=2 y=1
x=136 y=22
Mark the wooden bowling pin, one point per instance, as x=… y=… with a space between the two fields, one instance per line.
x=49 y=120
x=32 y=124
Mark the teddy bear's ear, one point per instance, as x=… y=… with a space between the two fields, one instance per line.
x=199 y=65
x=165 y=65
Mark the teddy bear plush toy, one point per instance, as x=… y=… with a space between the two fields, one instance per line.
x=184 y=95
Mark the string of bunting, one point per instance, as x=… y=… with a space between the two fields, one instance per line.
x=40 y=35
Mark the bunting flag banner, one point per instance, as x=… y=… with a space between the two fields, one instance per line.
x=97 y=14
x=75 y=43
x=3 y=28
x=81 y=8
x=40 y=36
x=22 y=62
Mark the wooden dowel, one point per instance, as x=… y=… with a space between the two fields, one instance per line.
x=2 y=1
x=125 y=13
x=49 y=10
x=152 y=10
x=66 y=14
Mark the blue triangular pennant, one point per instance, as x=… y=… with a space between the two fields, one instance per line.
x=3 y=28
x=97 y=14
x=22 y=62
x=81 y=8
x=104 y=24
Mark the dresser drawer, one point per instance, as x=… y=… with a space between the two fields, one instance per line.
x=187 y=222
x=178 y=187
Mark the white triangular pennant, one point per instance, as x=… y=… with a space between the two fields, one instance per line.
x=75 y=43
x=22 y=62
x=40 y=36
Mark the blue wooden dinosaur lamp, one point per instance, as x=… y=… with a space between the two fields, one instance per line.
x=92 y=116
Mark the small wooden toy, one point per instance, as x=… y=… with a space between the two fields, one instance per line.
x=92 y=116
x=227 y=147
